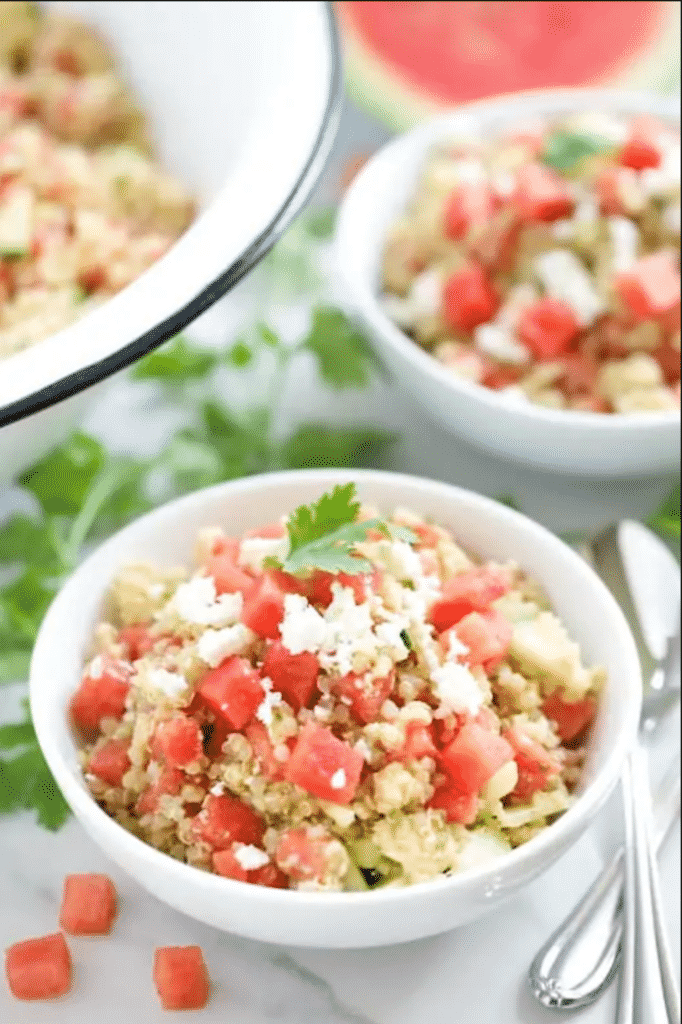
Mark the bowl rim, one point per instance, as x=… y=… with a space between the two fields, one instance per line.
x=74 y=382
x=87 y=810
x=361 y=292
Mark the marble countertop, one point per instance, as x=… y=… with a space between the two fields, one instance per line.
x=474 y=973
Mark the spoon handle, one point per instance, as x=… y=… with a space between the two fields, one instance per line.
x=650 y=997
x=580 y=959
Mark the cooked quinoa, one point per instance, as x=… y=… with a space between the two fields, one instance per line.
x=84 y=208
x=333 y=732
x=544 y=263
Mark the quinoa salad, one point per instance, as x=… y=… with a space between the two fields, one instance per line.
x=545 y=264
x=84 y=208
x=290 y=726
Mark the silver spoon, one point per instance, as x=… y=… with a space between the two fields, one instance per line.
x=581 y=958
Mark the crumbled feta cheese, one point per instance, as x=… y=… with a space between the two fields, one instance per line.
x=456 y=688
x=425 y=295
x=218 y=789
x=624 y=243
x=302 y=628
x=518 y=299
x=504 y=183
x=338 y=779
x=96 y=669
x=253 y=551
x=214 y=645
x=389 y=635
x=170 y=683
x=196 y=602
x=469 y=172
x=363 y=748
x=271 y=700
x=494 y=340
x=455 y=647
x=564 y=277
x=250 y=858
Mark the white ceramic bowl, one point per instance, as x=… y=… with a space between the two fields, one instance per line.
x=166 y=536
x=243 y=101
x=584 y=444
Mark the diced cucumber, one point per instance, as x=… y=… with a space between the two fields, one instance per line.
x=16 y=221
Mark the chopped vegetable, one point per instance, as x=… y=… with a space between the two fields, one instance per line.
x=88 y=905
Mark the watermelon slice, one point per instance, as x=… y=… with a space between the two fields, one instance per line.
x=406 y=61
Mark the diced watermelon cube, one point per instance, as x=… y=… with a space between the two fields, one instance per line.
x=39 y=968
x=570 y=717
x=643 y=147
x=169 y=783
x=88 y=905
x=459 y=807
x=226 y=864
x=652 y=288
x=536 y=765
x=229 y=577
x=110 y=762
x=293 y=675
x=264 y=608
x=136 y=640
x=300 y=854
x=270 y=876
x=487 y=636
x=470 y=591
x=323 y=765
x=318 y=586
x=233 y=691
x=548 y=328
x=364 y=699
x=101 y=696
x=180 y=977
x=473 y=757
x=264 y=752
x=418 y=743
x=541 y=195
x=179 y=742
x=469 y=298
x=270 y=531
x=466 y=207
x=225 y=820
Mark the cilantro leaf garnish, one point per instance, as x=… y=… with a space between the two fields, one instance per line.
x=176 y=363
x=565 y=150
x=322 y=535
x=343 y=355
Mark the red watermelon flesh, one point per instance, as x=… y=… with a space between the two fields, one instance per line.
x=423 y=55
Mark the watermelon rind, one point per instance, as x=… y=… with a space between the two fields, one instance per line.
x=394 y=100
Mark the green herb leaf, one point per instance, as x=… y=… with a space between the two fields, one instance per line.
x=26 y=783
x=16 y=734
x=175 y=363
x=192 y=464
x=240 y=354
x=22 y=606
x=343 y=355
x=509 y=500
x=61 y=480
x=320 y=223
x=268 y=336
x=23 y=539
x=322 y=535
x=565 y=150
x=14 y=664
x=318 y=444
x=666 y=519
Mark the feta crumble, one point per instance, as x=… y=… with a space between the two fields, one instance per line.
x=197 y=603
x=338 y=779
x=249 y=857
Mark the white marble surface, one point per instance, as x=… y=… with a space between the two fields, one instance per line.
x=475 y=973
